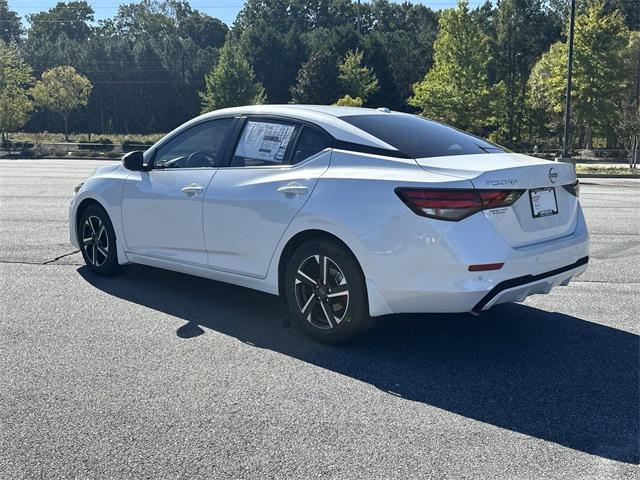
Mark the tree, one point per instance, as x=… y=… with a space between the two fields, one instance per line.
x=62 y=90
x=456 y=89
x=355 y=78
x=627 y=127
x=15 y=77
x=348 y=101
x=544 y=97
x=601 y=72
x=10 y=26
x=275 y=58
x=316 y=82
x=407 y=32
x=232 y=82
x=523 y=33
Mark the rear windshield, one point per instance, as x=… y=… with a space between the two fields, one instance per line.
x=419 y=137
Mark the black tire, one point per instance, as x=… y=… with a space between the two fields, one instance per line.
x=97 y=244
x=312 y=296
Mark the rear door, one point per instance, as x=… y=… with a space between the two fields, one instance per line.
x=273 y=169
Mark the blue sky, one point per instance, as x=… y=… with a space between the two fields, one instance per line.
x=225 y=10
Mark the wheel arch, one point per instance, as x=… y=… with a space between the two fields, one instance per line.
x=83 y=205
x=304 y=236
x=88 y=201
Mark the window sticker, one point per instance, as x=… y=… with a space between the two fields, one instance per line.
x=265 y=141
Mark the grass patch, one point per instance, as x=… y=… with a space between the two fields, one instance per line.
x=115 y=138
x=605 y=170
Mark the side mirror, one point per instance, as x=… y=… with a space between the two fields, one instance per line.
x=133 y=161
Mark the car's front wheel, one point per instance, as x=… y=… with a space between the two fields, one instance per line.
x=325 y=291
x=97 y=240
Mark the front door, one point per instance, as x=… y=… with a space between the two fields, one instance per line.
x=162 y=208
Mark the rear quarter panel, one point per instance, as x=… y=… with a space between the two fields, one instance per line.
x=355 y=200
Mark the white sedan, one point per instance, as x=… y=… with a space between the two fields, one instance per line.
x=348 y=213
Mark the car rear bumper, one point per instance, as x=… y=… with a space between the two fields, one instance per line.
x=426 y=269
x=517 y=289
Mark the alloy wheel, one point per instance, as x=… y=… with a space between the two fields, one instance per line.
x=322 y=292
x=95 y=241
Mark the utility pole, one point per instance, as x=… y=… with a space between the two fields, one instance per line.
x=567 y=108
x=358 y=21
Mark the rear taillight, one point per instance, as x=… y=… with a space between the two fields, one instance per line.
x=499 y=198
x=454 y=205
x=573 y=188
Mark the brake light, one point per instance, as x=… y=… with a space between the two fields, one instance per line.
x=573 y=188
x=450 y=205
x=499 y=198
x=455 y=204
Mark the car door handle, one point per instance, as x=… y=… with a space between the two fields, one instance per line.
x=293 y=189
x=192 y=189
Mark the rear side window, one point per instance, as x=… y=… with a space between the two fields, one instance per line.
x=419 y=137
x=263 y=143
x=311 y=141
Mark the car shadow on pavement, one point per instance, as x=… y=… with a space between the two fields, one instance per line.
x=544 y=374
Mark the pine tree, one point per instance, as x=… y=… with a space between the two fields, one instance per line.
x=356 y=80
x=232 y=82
x=316 y=81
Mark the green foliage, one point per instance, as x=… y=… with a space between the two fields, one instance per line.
x=355 y=78
x=488 y=71
x=231 y=82
x=316 y=81
x=601 y=72
x=275 y=58
x=10 y=26
x=62 y=90
x=523 y=33
x=96 y=145
x=15 y=77
x=546 y=91
x=348 y=101
x=406 y=31
x=456 y=90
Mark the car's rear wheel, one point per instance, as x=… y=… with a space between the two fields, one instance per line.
x=325 y=291
x=97 y=240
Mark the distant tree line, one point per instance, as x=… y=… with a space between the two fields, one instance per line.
x=496 y=70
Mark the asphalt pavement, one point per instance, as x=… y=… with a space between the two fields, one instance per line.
x=153 y=374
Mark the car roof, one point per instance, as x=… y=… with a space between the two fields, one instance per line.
x=325 y=116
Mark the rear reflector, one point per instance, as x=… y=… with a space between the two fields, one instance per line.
x=454 y=205
x=483 y=267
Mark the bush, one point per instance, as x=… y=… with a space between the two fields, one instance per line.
x=133 y=145
x=97 y=145
x=17 y=146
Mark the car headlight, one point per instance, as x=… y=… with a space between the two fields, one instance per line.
x=77 y=187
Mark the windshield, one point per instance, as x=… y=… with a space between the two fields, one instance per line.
x=419 y=137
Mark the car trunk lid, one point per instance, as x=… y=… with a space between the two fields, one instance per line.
x=508 y=171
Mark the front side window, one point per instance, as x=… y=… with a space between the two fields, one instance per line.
x=197 y=147
x=263 y=143
x=419 y=138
